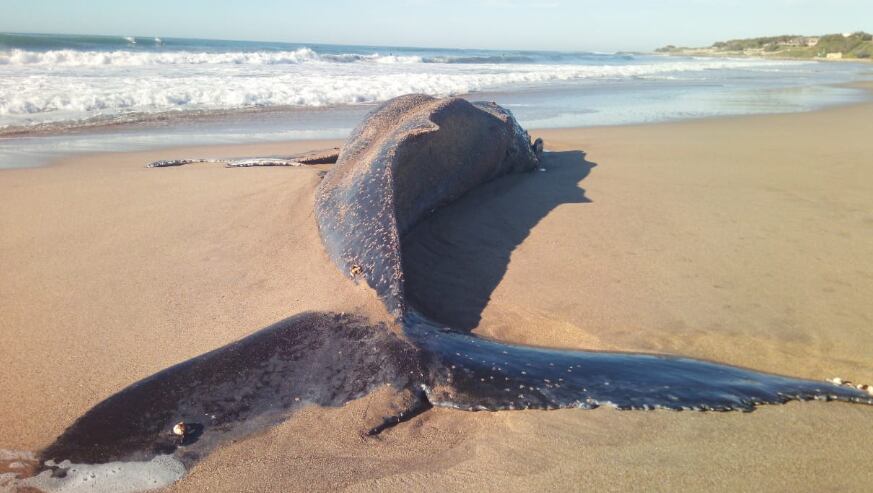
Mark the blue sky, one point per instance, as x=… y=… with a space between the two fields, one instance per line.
x=603 y=25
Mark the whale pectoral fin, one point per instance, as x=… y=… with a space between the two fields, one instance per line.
x=404 y=406
x=321 y=156
x=229 y=163
x=167 y=163
x=261 y=161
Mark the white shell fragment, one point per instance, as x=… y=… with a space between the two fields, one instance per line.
x=180 y=429
x=846 y=383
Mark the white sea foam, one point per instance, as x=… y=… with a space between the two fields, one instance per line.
x=126 y=58
x=116 y=477
x=69 y=85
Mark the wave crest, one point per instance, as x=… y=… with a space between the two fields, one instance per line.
x=60 y=85
x=76 y=58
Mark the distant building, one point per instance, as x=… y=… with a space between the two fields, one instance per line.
x=798 y=42
x=834 y=56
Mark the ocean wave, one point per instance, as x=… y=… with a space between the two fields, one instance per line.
x=77 y=58
x=154 y=56
x=528 y=58
x=131 y=57
x=482 y=59
x=35 y=94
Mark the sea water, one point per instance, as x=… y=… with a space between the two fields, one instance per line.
x=62 y=94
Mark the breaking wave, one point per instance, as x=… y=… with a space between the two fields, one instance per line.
x=75 y=58
x=75 y=79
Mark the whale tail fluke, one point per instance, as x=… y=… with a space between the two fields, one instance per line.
x=471 y=373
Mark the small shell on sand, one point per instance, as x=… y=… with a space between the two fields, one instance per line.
x=837 y=381
x=180 y=429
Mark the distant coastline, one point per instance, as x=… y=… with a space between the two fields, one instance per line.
x=857 y=47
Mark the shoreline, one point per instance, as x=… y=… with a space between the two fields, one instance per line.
x=145 y=121
x=862 y=85
x=692 y=53
x=736 y=239
x=24 y=146
x=281 y=144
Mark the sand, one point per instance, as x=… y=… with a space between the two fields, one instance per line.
x=744 y=240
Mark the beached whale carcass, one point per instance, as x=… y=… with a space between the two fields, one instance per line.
x=413 y=155
x=410 y=157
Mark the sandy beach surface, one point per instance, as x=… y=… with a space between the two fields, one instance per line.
x=745 y=240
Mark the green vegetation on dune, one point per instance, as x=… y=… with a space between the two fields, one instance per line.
x=857 y=45
x=754 y=43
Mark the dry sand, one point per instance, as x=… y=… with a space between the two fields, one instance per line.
x=743 y=240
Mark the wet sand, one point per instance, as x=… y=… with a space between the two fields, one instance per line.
x=743 y=240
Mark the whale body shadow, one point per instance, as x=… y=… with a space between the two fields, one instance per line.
x=455 y=259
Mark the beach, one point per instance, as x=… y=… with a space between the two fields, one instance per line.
x=744 y=240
